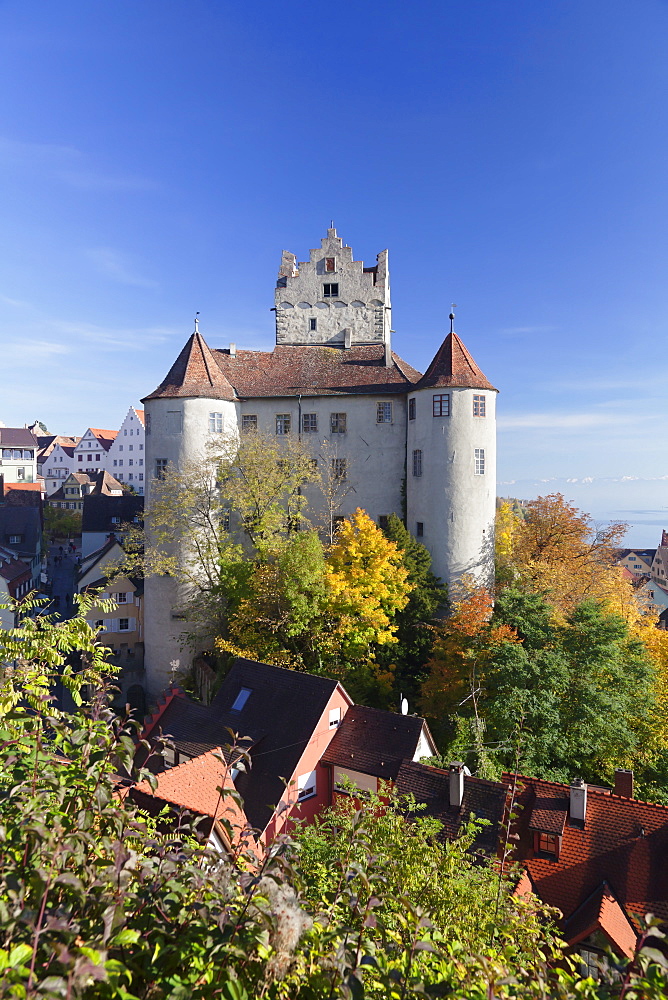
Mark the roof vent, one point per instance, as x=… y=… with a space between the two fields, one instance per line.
x=456 y=783
x=578 y=800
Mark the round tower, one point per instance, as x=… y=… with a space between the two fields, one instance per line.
x=451 y=465
x=193 y=404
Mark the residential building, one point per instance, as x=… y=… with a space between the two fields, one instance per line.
x=79 y=485
x=21 y=533
x=15 y=583
x=18 y=455
x=104 y=515
x=90 y=453
x=637 y=561
x=428 y=441
x=126 y=456
x=57 y=466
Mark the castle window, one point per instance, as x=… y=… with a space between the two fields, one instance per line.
x=478 y=406
x=383 y=413
x=441 y=405
x=339 y=468
x=309 y=423
x=330 y=264
x=419 y=529
x=147 y=422
x=417 y=462
x=337 y=423
x=160 y=468
x=411 y=408
x=382 y=521
x=330 y=291
x=174 y=422
x=215 y=423
x=249 y=422
x=282 y=423
x=313 y=324
x=480 y=461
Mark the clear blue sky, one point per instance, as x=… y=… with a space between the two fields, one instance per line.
x=157 y=156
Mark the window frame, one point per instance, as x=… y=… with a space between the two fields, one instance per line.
x=330 y=290
x=440 y=404
x=310 y=423
x=383 y=408
x=283 y=423
x=412 y=406
x=248 y=422
x=215 y=422
x=479 y=459
x=417 y=462
x=338 y=423
x=479 y=405
x=339 y=468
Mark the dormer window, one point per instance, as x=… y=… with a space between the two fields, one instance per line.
x=546 y=844
x=330 y=264
x=241 y=699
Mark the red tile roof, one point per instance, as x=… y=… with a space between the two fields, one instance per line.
x=602 y=912
x=623 y=842
x=195 y=373
x=373 y=741
x=105 y=437
x=454 y=366
x=140 y=414
x=199 y=785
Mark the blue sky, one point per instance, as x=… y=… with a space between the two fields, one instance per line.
x=157 y=156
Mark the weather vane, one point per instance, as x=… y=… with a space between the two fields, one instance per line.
x=453 y=306
x=197 y=322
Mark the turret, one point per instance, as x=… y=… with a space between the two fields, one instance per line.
x=193 y=404
x=451 y=465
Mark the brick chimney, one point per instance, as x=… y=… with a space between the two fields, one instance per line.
x=456 y=783
x=623 y=782
x=578 y=800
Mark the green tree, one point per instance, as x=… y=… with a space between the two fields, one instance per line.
x=61 y=523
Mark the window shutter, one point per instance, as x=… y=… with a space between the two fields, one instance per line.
x=132 y=624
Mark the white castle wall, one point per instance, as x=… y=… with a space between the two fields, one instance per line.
x=456 y=506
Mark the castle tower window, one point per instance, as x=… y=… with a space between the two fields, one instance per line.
x=147 y=418
x=411 y=408
x=478 y=406
x=384 y=413
x=330 y=264
x=419 y=529
x=339 y=468
x=441 y=405
x=160 y=468
x=309 y=423
x=382 y=521
x=480 y=461
x=330 y=291
x=313 y=324
x=174 y=422
x=282 y=423
x=337 y=423
x=216 y=423
x=417 y=462
x=249 y=422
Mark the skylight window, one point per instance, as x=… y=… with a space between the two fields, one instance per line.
x=241 y=699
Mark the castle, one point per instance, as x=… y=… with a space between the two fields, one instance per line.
x=405 y=442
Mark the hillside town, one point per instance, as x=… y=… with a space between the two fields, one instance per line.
x=298 y=573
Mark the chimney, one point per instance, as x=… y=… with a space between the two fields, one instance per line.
x=233 y=350
x=347 y=338
x=456 y=783
x=623 y=782
x=578 y=800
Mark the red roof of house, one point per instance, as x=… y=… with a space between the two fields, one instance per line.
x=623 y=842
x=199 y=785
x=602 y=912
x=454 y=366
x=140 y=414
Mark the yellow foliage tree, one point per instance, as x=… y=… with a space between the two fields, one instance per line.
x=368 y=584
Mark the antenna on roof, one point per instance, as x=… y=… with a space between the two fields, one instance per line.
x=453 y=306
x=196 y=322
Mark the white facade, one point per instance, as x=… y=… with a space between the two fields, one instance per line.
x=126 y=457
x=419 y=446
x=60 y=463
x=90 y=454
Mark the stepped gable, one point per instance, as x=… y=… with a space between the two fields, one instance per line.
x=454 y=366
x=315 y=370
x=194 y=374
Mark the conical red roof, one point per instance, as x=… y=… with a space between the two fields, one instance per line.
x=453 y=365
x=195 y=373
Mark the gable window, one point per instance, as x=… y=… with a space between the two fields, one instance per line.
x=411 y=408
x=383 y=413
x=216 y=423
x=14 y=539
x=330 y=264
x=160 y=468
x=306 y=786
x=339 y=468
x=478 y=406
x=334 y=717
x=241 y=699
x=330 y=291
x=309 y=423
x=337 y=423
x=174 y=422
x=121 y=598
x=313 y=324
x=125 y=433
x=282 y=423
x=249 y=422
x=419 y=529
x=441 y=405
x=417 y=462
x=480 y=461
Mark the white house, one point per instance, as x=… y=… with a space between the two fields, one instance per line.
x=90 y=454
x=126 y=457
x=18 y=455
x=333 y=380
x=59 y=464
